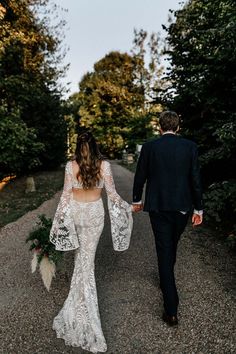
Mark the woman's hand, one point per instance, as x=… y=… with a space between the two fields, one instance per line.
x=137 y=207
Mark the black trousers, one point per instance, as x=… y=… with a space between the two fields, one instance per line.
x=167 y=227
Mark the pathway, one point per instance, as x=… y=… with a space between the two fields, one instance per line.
x=129 y=296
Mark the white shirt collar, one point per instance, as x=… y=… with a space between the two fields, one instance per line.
x=169 y=132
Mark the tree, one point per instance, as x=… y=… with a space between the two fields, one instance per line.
x=72 y=120
x=147 y=51
x=202 y=53
x=29 y=69
x=19 y=148
x=109 y=100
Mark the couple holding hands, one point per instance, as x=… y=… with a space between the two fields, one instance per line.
x=169 y=167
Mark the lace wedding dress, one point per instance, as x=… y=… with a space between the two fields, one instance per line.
x=78 y=226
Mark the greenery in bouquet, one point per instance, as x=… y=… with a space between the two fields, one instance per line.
x=44 y=253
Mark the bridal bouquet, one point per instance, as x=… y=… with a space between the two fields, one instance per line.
x=44 y=254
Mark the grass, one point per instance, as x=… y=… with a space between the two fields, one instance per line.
x=14 y=202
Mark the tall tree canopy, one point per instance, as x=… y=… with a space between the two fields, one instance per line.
x=111 y=101
x=202 y=51
x=29 y=95
x=147 y=50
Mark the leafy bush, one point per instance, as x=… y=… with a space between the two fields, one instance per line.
x=41 y=243
x=19 y=145
x=231 y=239
x=220 y=203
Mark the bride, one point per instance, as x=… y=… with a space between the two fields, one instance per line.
x=77 y=225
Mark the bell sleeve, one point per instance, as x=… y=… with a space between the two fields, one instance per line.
x=119 y=211
x=63 y=233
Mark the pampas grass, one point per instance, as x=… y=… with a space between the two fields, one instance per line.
x=34 y=262
x=44 y=253
x=47 y=270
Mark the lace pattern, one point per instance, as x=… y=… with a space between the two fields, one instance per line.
x=63 y=234
x=119 y=211
x=78 y=322
x=78 y=226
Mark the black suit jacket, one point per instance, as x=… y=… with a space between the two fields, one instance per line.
x=170 y=167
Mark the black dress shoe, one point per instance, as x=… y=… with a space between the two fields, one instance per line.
x=170 y=320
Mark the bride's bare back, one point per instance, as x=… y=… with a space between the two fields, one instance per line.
x=84 y=195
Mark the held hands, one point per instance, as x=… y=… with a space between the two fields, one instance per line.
x=196 y=219
x=137 y=207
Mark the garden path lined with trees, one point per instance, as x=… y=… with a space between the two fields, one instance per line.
x=121 y=98
x=128 y=291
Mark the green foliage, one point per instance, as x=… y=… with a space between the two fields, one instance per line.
x=149 y=71
x=220 y=204
x=109 y=99
x=231 y=239
x=72 y=118
x=139 y=131
x=45 y=113
x=220 y=200
x=226 y=138
x=29 y=69
x=201 y=46
x=19 y=148
x=114 y=99
x=41 y=243
x=202 y=52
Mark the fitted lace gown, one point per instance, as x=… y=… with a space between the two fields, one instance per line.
x=78 y=225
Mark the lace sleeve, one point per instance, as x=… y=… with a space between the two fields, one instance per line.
x=119 y=211
x=63 y=234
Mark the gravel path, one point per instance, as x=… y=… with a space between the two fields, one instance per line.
x=129 y=296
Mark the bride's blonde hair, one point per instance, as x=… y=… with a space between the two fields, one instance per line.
x=89 y=158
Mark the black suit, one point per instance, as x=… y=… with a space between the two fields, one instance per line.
x=170 y=168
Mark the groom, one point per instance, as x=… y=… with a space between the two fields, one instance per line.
x=169 y=166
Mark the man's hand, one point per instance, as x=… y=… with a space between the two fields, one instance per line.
x=137 y=207
x=197 y=219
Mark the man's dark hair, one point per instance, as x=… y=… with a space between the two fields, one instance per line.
x=169 y=120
